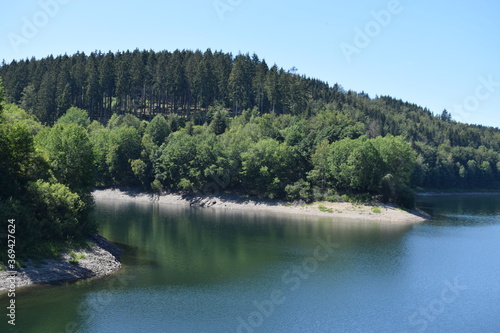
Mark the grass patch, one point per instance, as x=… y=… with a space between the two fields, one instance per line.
x=75 y=257
x=49 y=250
x=324 y=209
x=376 y=210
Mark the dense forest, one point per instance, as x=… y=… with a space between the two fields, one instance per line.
x=210 y=122
x=48 y=207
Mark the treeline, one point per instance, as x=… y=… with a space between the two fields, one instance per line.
x=187 y=83
x=147 y=83
x=273 y=156
x=218 y=90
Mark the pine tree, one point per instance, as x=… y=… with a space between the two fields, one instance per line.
x=107 y=83
x=93 y=90
x=45 y=105
x=272 y=87
x=240 y=83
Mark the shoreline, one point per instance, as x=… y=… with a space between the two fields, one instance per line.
x=97 y=260
x=384 y=213
x=455 y=194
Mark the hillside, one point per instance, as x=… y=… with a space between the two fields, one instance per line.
x=187 y=120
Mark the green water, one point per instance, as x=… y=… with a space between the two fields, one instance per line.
x=203 y=270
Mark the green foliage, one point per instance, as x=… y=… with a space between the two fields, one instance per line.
x=398 y=157
x=127 y=120
x=378 y=166
x=175 y=122
x=324 y=209
x=156 y=186
x=363 y=168
x=58 y=210
x=75 y=115
x=75 y=257
x=14 y=114
x=185 y=185
x=100 y=138
x=139 y=168
x=2 y=94
x=331 y=125
x=29 y=98
x=19 y=162
x=177 y=160
x=300 y=190
x=189 y=121
x=218 y=121
x=124 y=147
x=69 y=152
x=320 y=175
x=158 y=129
x=44 y=210
x=267 y=167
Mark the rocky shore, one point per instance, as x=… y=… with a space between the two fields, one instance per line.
x=376 y=212
x=99 y=259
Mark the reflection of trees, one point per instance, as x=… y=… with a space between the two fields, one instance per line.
x=181 y=246
x=464 y=210
x=186 y=246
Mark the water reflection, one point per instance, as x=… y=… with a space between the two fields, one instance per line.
x=197 y=270
x=462 y=210
x=198 y=246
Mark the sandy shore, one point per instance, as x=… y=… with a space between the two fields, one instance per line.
x=335 y=210
x=99 y=259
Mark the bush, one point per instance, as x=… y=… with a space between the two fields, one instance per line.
x=357 y=198
x=61 y=213
x=185 y=185
x=75 y=115
x=300 y=190
x=397 y=193
x=405 y=197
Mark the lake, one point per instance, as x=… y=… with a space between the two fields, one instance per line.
x=205 y=270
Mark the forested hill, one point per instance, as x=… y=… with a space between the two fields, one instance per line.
x=268 y=127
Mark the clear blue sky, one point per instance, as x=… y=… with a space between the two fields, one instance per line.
x=437 y=54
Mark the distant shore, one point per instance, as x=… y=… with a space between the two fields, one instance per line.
x=451 y=194
x=99 y=259
x=335 y=210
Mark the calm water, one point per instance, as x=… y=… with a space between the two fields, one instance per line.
x=214 y=271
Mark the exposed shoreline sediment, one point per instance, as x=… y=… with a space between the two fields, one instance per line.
x=99 y=259
x=383 y=213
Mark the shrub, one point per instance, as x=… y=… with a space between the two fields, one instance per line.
x=300 y=190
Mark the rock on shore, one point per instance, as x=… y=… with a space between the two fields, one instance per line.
x=99 y=259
